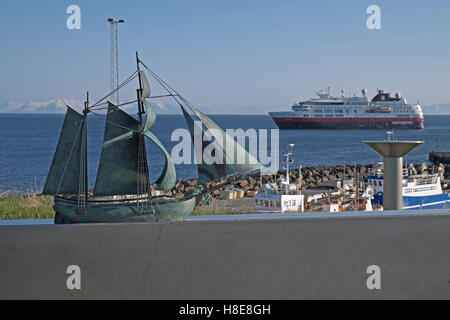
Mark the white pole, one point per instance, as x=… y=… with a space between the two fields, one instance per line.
x=287 y=168
x=300 y=177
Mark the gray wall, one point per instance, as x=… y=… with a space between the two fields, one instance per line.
x=249 y=259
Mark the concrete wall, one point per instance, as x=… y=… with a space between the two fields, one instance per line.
x=249 y=259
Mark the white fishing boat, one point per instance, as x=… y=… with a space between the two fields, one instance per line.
x=420 y=191
x=281 y=197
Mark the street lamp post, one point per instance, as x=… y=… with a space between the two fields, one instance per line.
x=114 y=59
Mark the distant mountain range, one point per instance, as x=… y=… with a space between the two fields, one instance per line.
x=437 y=109
x=52 y=106
x=59 y=106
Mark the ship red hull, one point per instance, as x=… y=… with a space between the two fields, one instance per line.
x=349 y=123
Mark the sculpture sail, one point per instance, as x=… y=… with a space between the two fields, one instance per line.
x=145 y=85
x=117 y=174
x=226 y=142
x=168 y=177
x=151 y=115
x=64 y=175
x=206 y=172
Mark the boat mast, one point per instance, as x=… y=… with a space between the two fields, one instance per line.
x=85 y=159
x=139 y=91
x=143 y=183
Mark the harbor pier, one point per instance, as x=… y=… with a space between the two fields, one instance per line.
x=439 y=157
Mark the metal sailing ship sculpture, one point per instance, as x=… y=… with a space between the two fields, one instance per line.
x=122 y=190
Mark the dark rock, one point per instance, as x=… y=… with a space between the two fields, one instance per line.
x=191 y=182
x=252 y=181
x=243 y=183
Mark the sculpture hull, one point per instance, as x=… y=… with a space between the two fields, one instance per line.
x=68 y=211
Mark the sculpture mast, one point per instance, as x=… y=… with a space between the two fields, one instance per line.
x=143 y=183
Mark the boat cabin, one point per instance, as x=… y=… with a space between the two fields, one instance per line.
x=331 y=207
x=282 y=203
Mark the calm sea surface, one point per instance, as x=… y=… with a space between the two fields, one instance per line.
x=28 y=141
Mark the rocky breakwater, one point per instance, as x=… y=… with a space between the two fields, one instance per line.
x=312 y=177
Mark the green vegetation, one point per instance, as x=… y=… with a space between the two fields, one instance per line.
x=33 y=206
x=199 y=211
x=13 y=206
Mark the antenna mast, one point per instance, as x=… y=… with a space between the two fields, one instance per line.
x=114 y=59
x=287 y=160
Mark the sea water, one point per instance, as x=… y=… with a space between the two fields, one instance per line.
x=28 y=141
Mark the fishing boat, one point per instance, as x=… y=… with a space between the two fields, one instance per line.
x=420 y=191
x=282 y=197
x=122 y=191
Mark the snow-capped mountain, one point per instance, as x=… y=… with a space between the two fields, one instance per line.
x=437 y=109
x=52 y=106
x=59 y=106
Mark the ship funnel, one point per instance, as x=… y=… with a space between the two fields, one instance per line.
x=392 y=152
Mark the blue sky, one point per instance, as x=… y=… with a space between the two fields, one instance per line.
x=243 y=54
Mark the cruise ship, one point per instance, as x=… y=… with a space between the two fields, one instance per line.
x=383 y=111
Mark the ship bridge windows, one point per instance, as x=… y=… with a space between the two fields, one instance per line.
x=304 y=108
x=375 y=183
